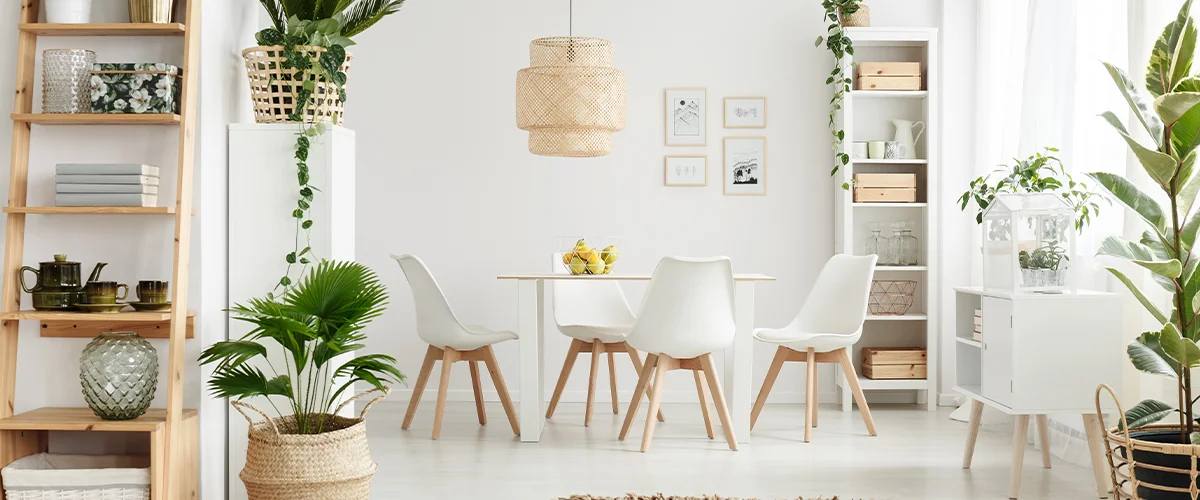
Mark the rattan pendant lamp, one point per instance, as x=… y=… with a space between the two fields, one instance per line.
x=570 y=99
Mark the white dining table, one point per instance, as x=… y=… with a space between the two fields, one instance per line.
x=531 y=328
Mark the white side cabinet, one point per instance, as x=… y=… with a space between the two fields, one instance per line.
x=1039 y=354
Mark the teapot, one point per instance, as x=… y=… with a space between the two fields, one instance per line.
x=58 y=286
x=904 y=135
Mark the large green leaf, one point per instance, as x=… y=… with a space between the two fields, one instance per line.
x=1171 y=57
x=1133 y=198
x=1141 y=255
x=1147 y=355
x=1139 y=295
x=1183 y=351
x=365 y=13
x=1188 y=183
x=1185 y=135
x=1141 y=106
x=1147 y=412
x=232 y=353
x=246 y=381
x=1160 y=166
x=1171 y=107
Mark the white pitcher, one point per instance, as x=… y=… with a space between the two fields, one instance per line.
x=904 y=135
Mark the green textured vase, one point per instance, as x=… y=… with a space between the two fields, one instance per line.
x=119 y=373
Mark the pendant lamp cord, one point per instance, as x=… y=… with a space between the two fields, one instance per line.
x=571 y=18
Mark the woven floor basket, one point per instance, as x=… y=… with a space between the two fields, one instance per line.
x=274 y=88
x=282 y=465
x=861 y=17
x=1125 y=467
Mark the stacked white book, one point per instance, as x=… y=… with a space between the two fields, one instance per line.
x=105 y=185
x=977 y=335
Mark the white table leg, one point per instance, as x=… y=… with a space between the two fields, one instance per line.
x=1095 y=439
x=530 y=327
x=739 y=361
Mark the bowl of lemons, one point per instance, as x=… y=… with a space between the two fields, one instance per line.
x=581 y=258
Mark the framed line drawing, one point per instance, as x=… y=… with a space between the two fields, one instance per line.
x=745 y=112
x=686 y=117
x=745 y=165
x=685 y=170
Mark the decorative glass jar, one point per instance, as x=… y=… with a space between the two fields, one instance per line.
x=1028 y=241
x=908 y=248
x=877 y=244
x=119 y=373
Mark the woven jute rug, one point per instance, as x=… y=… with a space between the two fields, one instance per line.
x=660 y=496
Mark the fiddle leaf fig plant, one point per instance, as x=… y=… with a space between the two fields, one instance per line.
x=1036 y=174
x=840 y=46
x=1168 y=109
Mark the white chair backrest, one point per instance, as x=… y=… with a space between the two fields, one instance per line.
x=588 y=302
x=838 y=300
x=688 y=308
x=436 y=323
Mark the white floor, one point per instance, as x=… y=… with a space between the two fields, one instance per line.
x=917 y=455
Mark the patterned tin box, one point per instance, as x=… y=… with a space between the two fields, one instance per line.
x=137 y=88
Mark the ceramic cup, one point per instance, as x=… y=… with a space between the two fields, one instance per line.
x=68 y=11
x=152 y=291
x=893 y=150
x=875 y=150
x=859 y=150
x=105 y=292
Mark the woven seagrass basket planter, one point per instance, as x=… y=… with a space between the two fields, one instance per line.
x=275 y=89
x=1149 y=463
x=283 y=465
x=860 y=18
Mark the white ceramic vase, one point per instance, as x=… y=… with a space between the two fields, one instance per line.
x=68 y=11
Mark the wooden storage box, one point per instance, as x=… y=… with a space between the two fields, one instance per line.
x=894 y=363
x=882 y=372
x=885 y=195
x=889 y=83
x=885 y=180
x=889 y=69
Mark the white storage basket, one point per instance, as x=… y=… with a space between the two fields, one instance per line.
x=46 y=476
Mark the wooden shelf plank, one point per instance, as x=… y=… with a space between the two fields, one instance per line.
x=103 y=29
x=91 y=210
x=902 y=268
x=93 y=327
x=85 y=317
x=95 y=119
x=897 y=317
x=884 y=94
x=82 y=419
x=868 y=204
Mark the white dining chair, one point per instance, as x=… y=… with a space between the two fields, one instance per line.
x=687 y=313
x=829 y=323
x=595 y=314
x=450 y=341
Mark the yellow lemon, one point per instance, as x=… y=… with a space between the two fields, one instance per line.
x=577 y=265
x=609 y=254
x=607 y=269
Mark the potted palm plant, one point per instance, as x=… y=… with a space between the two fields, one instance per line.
x=1155 y=461
x=306 y=451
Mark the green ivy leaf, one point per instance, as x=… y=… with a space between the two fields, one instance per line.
x=297 y=213
x=307 y=224
x=291 y=258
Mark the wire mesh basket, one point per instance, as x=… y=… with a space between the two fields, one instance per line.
x=594 y=257
x=891 y=297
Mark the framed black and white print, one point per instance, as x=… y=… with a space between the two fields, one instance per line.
x=685 y=170
x=745 y=166
x=686 y=117
x=745 y=112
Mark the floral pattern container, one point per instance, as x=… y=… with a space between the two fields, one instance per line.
x=135 y=88
x=119 y=373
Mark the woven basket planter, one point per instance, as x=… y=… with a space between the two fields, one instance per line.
x=860 y=18
x=274 y=89
x=283 y=465
x=1154 y=470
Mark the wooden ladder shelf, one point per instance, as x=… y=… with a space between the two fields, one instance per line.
x=174 y=452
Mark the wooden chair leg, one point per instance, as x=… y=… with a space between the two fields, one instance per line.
x=781 y=355
x=489 y=358
x=638 y=391
x=612 y=383
x=718 y=395
x=852 y=380
x=809 y=392
x=597 y=348
x=572 y=354
x=1020 y=433
x=637 y=367
x=1043 y=430
x=703 y=393
x=660 y=380
x=972 y=432
x=477 y=388
x=431 y=356
x=816 y=400
x=448 y=357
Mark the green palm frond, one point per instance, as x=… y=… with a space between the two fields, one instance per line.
x=302 y=9
x=246 y=381
x=232 y=353
x=274 y=10
x=337 y=294
x=374 y=369
x=365 y=13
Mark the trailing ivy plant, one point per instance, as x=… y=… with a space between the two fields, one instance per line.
x=1040 y=173
x=840 y=45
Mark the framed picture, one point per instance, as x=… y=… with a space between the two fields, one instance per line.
x=686 y=117
x=746 y=166
x=686 y=170
x=745 y=112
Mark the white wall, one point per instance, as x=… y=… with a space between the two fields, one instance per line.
x=444 y=172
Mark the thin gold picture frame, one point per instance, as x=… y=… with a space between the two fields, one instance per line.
x=725 y=167
x=668 y=119
x=725 y=111
x=667 y=167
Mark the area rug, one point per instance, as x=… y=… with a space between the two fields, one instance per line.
x=660 y=496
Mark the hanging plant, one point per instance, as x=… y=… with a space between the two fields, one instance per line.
x=840 y=46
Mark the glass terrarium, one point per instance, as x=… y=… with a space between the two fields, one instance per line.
x=1028 y=240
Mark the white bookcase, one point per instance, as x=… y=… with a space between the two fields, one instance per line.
x=866 y=116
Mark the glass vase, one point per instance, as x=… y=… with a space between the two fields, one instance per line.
x=877 y=245
x=119 y=373
x=65 y=80
x=909 y=249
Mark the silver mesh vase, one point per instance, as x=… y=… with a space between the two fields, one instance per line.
x=65 y=87
x=119 y=373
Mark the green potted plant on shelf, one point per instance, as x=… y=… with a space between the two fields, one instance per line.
x=1039 y=173
x=837 y=12
x=1168 y=110
x=306 y=451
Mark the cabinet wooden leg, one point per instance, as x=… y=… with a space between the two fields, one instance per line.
x=1100 y=465
x=1020 y=434
x=972 y=432
x=1043 y=430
